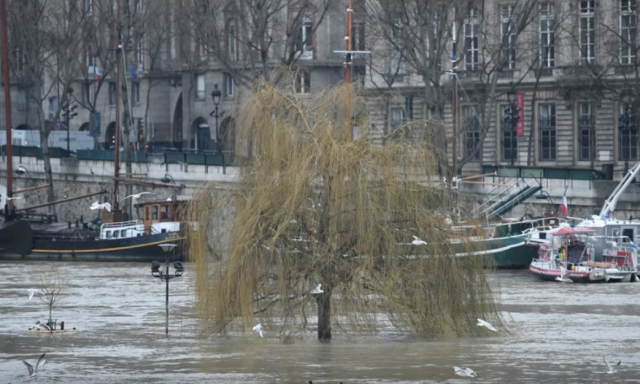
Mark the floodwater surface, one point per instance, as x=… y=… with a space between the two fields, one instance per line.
x=559 y=333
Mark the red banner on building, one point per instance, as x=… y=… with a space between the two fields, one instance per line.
x=520 y=106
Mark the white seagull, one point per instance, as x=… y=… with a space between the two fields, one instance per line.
x=418 y=241
x=168 y=199
x=43 y=327
x=611 y=369
x=563 y=275
x=39 y=365
x=317 y=290
x=489 y=326
x=13 y=198
x=258 y=328
x=137 y=196
x=33 y=291
x=99 y=206
x=467 y=372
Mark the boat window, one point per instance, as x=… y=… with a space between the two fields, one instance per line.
x=108 y=234
x=164 y=230
x=154 y=216
x=115 y=234
x=164 y=212
x=146 y=213
x=628 y=232
x=615 y=232
x=123 y=233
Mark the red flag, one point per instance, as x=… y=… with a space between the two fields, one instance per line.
x=564 y=208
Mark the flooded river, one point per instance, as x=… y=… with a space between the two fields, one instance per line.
x=559 y=334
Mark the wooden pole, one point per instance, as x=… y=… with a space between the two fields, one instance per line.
x=7 y=100
x=347 y=77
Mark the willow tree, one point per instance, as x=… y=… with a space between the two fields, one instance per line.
x=313 y=208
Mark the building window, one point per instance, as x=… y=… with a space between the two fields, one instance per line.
x=509 y=141
x=472 y=128
x=172 y=38
x=304 y=40
x=232 y=41
x=628 y=30
x=229 y=85
x=508 y=36
x=88 y=7
x=140 y=54
x=547 y=132
x=397 y=65
x=135 y=92
x=138 y=6
x=164 y=212
x=88 y=93
x=397 y=117
x=112 y=93
x=628 y=133
x=586 y=126
x=200 y=87
x=303 y=82
x=547 y=35
x=19 y=60
x=471 y=33
x=357 y=36
x=587 y=32
x=53 y=107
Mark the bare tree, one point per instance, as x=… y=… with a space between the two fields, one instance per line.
x=52 y=283
x=45 y=39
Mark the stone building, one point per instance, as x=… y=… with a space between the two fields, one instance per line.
x=571 y=66
x=176 y=53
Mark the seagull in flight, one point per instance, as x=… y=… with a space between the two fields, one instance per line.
x=39 y=365
x=611 y=369
x=99 y=206
x=33 y=291
x=258 y=328
x=317 y=290
x=489 y=326
x=137 y=196
x=467 y=372
x=418 y=241
x=13 y=198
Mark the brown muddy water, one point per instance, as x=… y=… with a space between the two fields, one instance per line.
x=559 y=334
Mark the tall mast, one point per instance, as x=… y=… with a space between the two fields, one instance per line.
x=116 y=162
x=454 y=96
x=347 y=76
x=7 y=99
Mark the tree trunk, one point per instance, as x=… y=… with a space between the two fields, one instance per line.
x=50 y=313
x=46 y=158
x=324 y=315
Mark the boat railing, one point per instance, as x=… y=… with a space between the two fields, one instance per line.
x=122 y=224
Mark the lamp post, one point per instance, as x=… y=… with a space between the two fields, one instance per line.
x=68 y=115
x=511 y=118
x=164 y=275
x=215 y=95
x=627 y=124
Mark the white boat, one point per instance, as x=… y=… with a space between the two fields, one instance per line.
x=563 y=249
x=619 y=261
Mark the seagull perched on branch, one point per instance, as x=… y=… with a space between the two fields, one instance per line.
x=418 y=241
x=102 y=206
x=13 y=198
x=137 y=196
x=317 y=290
x=611 y=369
x=258 y=329
x=33 y=291
x=467 y=372
x=39 y=365
x=489 y=326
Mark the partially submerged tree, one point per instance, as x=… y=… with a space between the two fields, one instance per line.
x=314 y=209
x=52 y=283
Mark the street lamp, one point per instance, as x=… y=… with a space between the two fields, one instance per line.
x=167 y=179
x=512 y=120
x=164 y=275
x=215 y=95
x=68 y=114
x=627 y=125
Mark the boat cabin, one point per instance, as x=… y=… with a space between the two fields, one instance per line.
x=160 y=216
